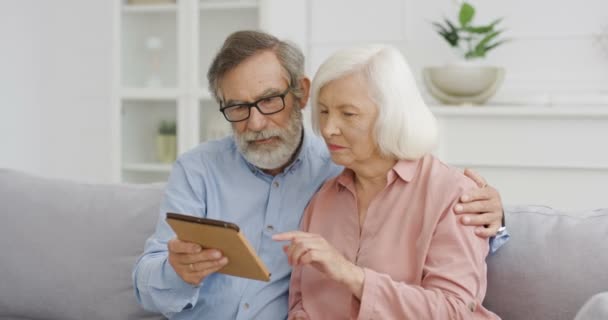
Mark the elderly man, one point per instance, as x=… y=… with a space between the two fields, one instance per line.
x=261 y=179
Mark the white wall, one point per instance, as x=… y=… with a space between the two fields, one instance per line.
x=553 y=58
x=55 y=88
x=553 y=48
x=55 y=62
x=19 y=86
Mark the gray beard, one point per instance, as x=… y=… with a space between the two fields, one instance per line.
x=270 y=157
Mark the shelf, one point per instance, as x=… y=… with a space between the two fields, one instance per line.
x=529 y=166
x=163 y=52
x=521 y=111
x=212 y=123
x=228 y=4
x=149 y=93
x=147 y=167
x=149 y=8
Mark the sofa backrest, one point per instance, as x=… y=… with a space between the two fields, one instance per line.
x=553 y=263
x=68 y=248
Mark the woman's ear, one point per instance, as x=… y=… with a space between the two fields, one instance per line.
x=305 y=89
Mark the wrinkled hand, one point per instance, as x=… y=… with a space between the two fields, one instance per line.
x=481 y=207
x=193 y=263
x=312 y=249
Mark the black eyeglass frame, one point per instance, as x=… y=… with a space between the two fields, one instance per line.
x=255 y=104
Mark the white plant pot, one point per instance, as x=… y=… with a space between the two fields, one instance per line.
x=166 y=148
x=463 y=84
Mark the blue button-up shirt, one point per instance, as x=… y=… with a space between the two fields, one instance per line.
x=215 y=181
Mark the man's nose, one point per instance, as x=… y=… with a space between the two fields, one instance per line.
x=257 y=121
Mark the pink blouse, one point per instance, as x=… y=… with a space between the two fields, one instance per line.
x=419 y=261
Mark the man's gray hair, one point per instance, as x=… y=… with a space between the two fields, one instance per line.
x=242 y=45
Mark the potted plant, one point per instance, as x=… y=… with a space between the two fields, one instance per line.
x=467 y=81
x=166 y=141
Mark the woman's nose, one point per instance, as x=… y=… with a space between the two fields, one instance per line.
x=329 y=127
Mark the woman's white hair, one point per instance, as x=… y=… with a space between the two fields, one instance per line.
x=405 y=128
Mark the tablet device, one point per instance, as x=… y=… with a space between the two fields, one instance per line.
x=225 y=237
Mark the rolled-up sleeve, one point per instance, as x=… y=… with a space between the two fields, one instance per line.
x=160 y=289
x=157 y=286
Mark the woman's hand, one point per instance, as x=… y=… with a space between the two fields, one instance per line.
x=312 y=249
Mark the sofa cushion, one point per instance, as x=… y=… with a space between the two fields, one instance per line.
x=595 y=308
x=69 y=248
x=553 y=263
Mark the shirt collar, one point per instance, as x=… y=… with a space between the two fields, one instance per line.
x=404 y=169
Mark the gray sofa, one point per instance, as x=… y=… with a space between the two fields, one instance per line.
x=68 y=249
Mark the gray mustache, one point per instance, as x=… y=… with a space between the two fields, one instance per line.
x=266 y=134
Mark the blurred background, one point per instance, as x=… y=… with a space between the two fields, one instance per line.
x=112 y=91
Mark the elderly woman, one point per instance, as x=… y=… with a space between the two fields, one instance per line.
x=380 y=241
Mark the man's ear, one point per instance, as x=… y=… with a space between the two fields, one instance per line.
x=305 y=88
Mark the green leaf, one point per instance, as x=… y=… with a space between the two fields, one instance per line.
x=480 y=47
x=452 y=39
x=483 y=29
x=495 y=22
x=444 y=35
x=494 y=45
x=440 y=28
x=466 y=14
x=451 y=36
x=472 y=54
x=479 y=30
x=451 y=25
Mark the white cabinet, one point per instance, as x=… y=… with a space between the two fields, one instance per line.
x=555 y=156
x=161 y=55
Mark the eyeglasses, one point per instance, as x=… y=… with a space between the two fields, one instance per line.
x=266 y=106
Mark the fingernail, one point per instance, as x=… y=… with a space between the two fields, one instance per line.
x=465 y=198
x=458 y=208
x=224 y=260
x=466 y=219
x=216 y=254
x=198 y=249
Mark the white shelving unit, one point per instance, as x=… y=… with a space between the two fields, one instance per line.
x=161 y=56
x=546 y=155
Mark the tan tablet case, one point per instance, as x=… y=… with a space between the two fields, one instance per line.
x=242 y=259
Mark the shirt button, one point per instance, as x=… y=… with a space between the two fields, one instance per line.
x=246 y=306
x=472 y=306
x=276 y=184
x=270 y=228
